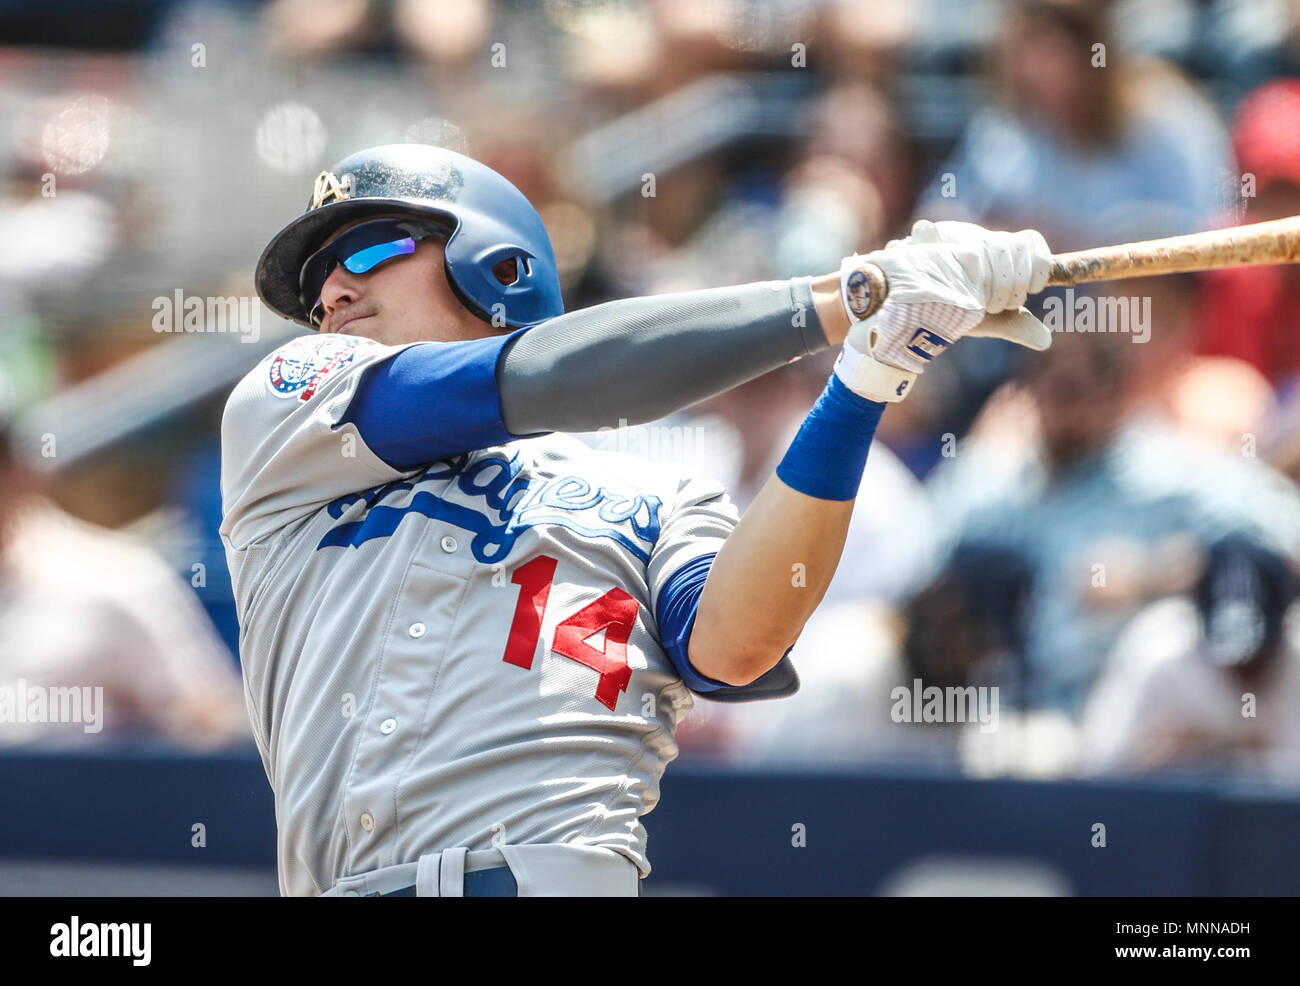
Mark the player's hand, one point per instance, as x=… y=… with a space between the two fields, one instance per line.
x=1027 y=250
x=937 y=291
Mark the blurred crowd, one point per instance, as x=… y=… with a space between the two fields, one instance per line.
x=1090 y=555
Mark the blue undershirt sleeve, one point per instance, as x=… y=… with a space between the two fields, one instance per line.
x=679 y=600
x=432 y=400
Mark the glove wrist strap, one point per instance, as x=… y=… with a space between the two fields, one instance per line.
x=869 y=378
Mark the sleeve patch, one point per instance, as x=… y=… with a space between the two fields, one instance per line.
x=302 y=364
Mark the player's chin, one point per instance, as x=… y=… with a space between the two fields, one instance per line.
x=360 y=325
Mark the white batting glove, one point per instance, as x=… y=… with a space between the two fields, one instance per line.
x=1023 y=270
x=937 y=292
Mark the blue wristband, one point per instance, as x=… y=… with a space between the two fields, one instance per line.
x=827 y=457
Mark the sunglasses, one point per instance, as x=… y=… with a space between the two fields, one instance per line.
x=360 y=249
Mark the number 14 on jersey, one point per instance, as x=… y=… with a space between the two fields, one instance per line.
x=614 y=612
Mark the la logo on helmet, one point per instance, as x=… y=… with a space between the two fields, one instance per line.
x=330 y=189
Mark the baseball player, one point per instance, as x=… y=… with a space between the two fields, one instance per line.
x=467 y=638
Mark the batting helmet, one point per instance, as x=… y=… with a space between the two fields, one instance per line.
x=485 y=218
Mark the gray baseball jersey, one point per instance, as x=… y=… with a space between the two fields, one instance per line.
x=465 y=654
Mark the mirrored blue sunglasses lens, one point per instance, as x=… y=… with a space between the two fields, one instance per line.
x=361 y=248
x=364 y=259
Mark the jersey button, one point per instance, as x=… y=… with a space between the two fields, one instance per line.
x=448 y=543
x=367 y=821
x=387 y=726
x=416 y=629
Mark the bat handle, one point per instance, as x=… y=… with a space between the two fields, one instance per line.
x=1063 y=272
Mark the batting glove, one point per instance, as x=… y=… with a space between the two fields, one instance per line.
x=1030 y=264
x=935 y=292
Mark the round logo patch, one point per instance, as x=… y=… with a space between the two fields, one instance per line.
x=301 y=364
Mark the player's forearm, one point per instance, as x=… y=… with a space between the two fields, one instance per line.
x=768 y=577
x=774 y=568
x=640 y=359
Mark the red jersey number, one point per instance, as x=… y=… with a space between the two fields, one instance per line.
x=614 y=613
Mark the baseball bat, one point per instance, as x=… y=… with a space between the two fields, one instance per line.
x=1273 y=242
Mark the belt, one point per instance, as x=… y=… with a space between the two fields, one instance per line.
x=503 y=871
x=495 y=882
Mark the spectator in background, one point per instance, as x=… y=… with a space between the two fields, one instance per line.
x=450 y=33
x=1106 y=508
x=857 y=125
x=967 y=627
x=1080 y=142
x=966 y=631
x=761 y=214
x=86 y=608
x=1208 y=681
x=1253 y=313
x=1220 y=400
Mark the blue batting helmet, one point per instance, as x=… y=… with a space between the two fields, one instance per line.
x=485 y=219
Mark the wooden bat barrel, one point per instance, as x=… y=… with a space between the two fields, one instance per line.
x=1273 y=242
